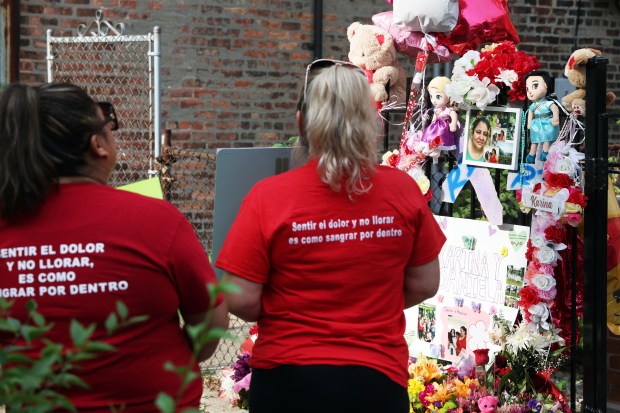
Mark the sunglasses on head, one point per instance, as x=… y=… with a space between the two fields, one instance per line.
x=109 y=115
x=322 y=64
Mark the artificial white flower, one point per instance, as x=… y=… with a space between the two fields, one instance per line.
x=459 y=86
x=387 y=156
x=467 y=62
x=482 y=93
x=507 y=77
x=543 y=282
x=519 y=340
x=418 y=175
x=546 y=255
x=539 y=314
x=537 y=241
x=566 y=166
x=541 y=342
x=227 y=385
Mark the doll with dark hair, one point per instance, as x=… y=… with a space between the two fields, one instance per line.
x=543 y=115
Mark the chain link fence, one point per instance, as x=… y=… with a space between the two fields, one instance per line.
x=116 y=69
x=188 y=181
x=119 y=69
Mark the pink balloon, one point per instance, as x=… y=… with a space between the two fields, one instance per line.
x=411 y=43
x=480 y=21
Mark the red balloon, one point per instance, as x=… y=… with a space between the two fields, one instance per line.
x=480 y=21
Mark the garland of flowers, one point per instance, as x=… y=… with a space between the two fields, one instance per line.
x=562 y=180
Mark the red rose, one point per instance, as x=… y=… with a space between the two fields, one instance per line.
x=555 y=234
x=254 y=330
x=482 y=356
x=501 y=361
x=536 y=188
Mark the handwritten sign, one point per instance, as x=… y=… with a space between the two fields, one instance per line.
x=554 y=205
x=482 y=272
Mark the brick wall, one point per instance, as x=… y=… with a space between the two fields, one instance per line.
x=231 y=69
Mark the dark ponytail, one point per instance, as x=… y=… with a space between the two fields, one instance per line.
x=44 y=134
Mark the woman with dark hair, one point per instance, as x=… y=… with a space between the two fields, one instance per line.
x=350 y=237
x=92 y=246
x=480 y=131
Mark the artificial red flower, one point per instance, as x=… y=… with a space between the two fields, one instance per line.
x=254 y=330
x=555 y=234
x=505 y=56
x=576 y=197
x=482 y=356
x=518 y=193
x=529 y=297
x=428 y=196
x=537 y=187
x=529 y=253
x=558 y=180
x=435 y=142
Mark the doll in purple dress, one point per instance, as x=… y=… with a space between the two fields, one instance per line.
x=445 y=119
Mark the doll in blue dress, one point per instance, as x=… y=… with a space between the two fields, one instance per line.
x=543 y=115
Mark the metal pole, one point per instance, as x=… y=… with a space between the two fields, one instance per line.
x=156 y=92
x=49 y=57
x=595 y=248
x=318 y=29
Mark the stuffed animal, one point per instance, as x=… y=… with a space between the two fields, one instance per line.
x=372 y=49
x=575 y=71
x=488 y=404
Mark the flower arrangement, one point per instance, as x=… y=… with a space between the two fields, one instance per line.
x=561 y=183
x=479 y=77
x=235 y=380
x=410 y=158
x=511 y=385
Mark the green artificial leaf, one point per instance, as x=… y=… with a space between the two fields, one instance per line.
x=165 y=403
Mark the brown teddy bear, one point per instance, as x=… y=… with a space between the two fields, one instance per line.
x=575 y=71
x=372 y=49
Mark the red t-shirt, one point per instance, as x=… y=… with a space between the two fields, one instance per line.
x=90 y=246
x=332 y=269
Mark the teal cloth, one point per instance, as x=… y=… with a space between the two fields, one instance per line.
x=541 y=129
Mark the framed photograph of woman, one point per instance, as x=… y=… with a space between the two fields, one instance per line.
x=492 y=137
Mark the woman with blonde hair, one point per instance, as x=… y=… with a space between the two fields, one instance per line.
x=327 y=256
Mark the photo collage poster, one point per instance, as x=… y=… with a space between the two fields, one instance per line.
x=482 y=272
